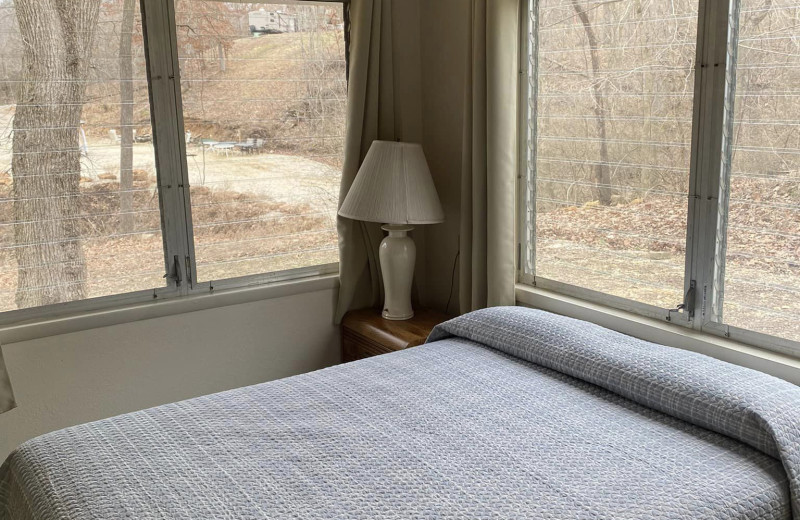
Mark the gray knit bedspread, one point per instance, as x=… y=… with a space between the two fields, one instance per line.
x=505 y=413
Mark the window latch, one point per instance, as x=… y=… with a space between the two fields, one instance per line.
x=175 y=273
x=687 y=307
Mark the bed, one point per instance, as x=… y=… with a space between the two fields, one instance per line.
x=504 y=413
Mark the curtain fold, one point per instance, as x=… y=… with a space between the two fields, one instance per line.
x=6 y=395
x=371 y=115
x=489 y=163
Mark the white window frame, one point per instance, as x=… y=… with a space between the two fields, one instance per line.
x=169 y=144
x=709 y=149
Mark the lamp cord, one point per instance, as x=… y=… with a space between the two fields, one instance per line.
x=453 y=279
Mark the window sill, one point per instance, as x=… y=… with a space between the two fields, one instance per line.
x=159 y=308
x=780 y=365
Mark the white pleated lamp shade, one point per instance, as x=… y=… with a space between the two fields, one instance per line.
x=393 y=186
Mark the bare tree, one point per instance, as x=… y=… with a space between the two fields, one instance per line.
x=602 y=176
x=57 y=37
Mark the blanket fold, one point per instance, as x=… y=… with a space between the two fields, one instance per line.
x=755 y=408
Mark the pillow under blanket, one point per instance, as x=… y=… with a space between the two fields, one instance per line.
x=750 y=406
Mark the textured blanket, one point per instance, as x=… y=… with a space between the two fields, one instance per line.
x=752 y=407
x=451 y=429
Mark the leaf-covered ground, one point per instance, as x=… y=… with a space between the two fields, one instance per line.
x=636 y=250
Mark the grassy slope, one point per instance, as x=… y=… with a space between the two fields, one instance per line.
x=222 y=107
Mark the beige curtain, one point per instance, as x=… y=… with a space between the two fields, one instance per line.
x=6 y=395
x=489 y=162
x=370 y=116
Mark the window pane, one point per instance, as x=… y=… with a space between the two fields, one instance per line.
x=79 y=210
x=264 y=89
x=609 y=145
x=762 y=262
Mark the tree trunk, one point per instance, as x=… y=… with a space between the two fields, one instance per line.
x=602 y=173
x=126 y=216
x=221 y=53
x=56 y=36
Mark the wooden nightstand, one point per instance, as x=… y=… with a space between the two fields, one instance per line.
x=365 y=333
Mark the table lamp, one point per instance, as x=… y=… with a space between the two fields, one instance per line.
x=394 y=187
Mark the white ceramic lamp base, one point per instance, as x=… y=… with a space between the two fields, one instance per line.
x=398 y=255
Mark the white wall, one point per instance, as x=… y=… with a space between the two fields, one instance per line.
x=83 y=376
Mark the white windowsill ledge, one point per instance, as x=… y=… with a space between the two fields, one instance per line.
x=779 y=365
x=160 y=308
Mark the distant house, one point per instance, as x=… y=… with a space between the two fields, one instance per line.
x=271 y=22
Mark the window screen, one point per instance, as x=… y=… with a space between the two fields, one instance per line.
x=609 y=144
x=264 y=90
x=79 y=210
x=642 y=197
x=760 y=216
